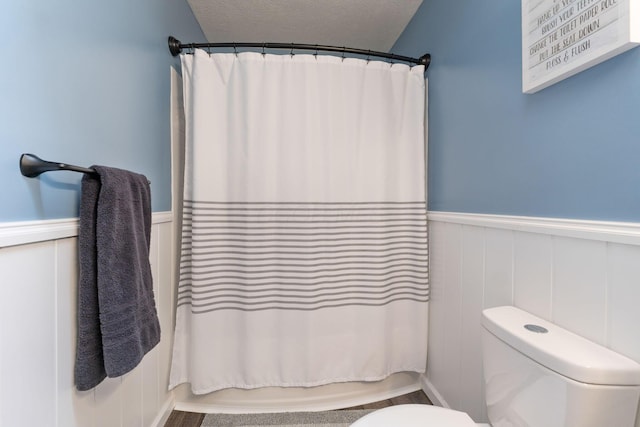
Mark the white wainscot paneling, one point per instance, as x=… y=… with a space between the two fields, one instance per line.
x=623 y=298
x=582 y=275
x=27 y=335
x=444 y=367
x=472 y=282
x=498 y=268
x=532 y=273
x=436 y=355
x=38 y=270
x=579 y=286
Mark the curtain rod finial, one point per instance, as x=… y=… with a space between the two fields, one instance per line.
x=174 y=46
x=425 y=60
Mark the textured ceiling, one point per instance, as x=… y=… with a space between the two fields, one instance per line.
x=362 y=24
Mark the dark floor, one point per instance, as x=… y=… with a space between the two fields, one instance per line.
x=415 y=397
x=190 y=419
x=184 y=419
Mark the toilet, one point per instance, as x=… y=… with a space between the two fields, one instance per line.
x=536 y=375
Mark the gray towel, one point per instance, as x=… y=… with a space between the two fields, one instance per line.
x=117 y=318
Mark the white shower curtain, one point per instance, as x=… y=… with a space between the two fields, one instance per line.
x=304 y=243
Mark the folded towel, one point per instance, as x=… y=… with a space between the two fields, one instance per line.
x=117 y=318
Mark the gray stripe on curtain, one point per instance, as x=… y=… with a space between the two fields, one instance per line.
x=302 y=256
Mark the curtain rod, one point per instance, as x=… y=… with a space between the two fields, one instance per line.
x=175 y=47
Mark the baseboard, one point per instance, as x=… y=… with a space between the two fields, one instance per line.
x=26 y=232
x=431 y=392
x=165 y=411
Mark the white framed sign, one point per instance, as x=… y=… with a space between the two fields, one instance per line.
x=563 y=37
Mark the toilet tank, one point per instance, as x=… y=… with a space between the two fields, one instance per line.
x=540 y=375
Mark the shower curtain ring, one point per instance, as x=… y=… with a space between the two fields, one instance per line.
x=316 y=54
x=291 y=53
x=368 y=56
x=343 y=52
x=235 y=49
x=263 y=47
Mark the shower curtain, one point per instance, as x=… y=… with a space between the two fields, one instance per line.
x=304 y=238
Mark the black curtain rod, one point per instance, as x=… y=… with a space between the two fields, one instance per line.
x=175 y=47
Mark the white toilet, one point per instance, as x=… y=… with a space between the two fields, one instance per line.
x=536 y=375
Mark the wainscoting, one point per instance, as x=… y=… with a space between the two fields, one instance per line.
x=582 y=275
x=38 y=273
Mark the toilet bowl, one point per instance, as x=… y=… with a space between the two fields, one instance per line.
x=536 y=374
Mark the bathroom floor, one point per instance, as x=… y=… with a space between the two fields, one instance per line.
x=190 y=419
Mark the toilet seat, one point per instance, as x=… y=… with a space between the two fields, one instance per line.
x=415 y=416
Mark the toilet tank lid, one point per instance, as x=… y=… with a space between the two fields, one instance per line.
x=560 y=350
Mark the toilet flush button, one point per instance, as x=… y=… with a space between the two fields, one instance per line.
x=536 y=328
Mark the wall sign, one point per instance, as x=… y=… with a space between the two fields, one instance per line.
x=563 y=37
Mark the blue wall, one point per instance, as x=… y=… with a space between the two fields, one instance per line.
x=571 y=150
x=85 y=83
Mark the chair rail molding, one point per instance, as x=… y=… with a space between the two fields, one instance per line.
x=607 y=231
x=25 y=232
